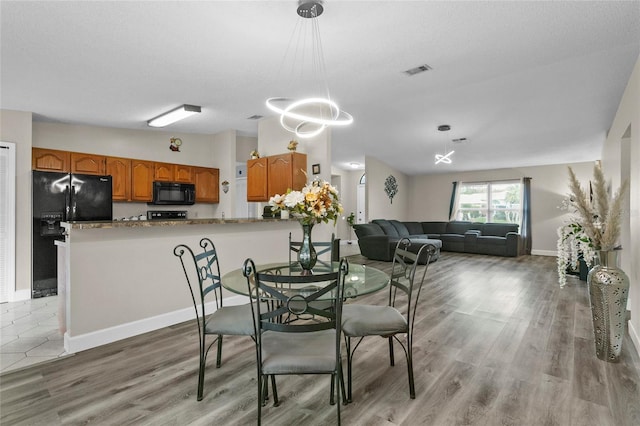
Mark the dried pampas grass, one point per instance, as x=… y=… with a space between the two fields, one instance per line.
x=600 y=219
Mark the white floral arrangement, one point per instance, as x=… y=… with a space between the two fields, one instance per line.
x=317 y=202
x=594 y=226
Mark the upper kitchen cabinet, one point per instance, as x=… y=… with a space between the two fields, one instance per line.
x=286 y=171
x=182 y=173
x=207 y=184
x=50 y=160
x=257 y=180
x=120 y=171
x=88 y=164
x=142 y=173
x=163 y=172
x=168 y=172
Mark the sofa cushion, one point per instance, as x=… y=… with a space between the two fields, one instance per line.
x=461 y=227
x=434 y=227
x=400 y=227
x=367 y=229
x=498 y=229
x=491 y=240
x=414 y=228
x=387 y=227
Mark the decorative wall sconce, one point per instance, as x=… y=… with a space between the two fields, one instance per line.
x=225 y=186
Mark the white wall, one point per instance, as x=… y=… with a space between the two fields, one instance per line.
x=431 y=195
x=621 y=160
x=15 y=126
x=378 y=204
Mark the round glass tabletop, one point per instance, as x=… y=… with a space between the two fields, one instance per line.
x=360 y=280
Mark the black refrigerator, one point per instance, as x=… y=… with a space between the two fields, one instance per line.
x=62 y=197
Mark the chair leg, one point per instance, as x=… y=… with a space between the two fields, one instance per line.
x=344 y=393
x=391 y=358
x=412 y=385
x=201 y=378
x=336 y=378
x=219 y=357
x=261 y=388
x=349 y=368
x=276 y=402
x=332 y=400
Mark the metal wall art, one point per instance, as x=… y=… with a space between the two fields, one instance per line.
x=391 y=187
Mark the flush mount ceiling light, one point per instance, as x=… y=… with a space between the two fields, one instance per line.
x=174 y=115
x=308 y=117
x=444 y=158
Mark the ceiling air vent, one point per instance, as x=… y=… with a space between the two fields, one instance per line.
x=459 y=140
x=418 y=70
x=254 y=117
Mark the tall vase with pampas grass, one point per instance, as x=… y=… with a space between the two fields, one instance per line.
x=608 y=284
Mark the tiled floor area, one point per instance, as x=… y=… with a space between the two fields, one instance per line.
x=29 y=333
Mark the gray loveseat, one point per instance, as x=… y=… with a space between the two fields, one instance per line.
x=378 y=238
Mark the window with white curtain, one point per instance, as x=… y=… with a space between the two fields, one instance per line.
x=496 y=201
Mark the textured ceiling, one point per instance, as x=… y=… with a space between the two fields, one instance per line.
x=526 y=83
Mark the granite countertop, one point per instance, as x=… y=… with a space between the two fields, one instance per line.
x=171 y=222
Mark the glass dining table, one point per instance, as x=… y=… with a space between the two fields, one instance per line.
x=360 y=279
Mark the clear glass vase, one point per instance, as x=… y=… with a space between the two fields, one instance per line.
x=608 y=293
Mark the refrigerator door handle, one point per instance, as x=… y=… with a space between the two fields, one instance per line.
x=67 y=202
x=73 y=202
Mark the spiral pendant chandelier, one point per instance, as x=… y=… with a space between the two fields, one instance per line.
x=308 y=117
x=445 y=157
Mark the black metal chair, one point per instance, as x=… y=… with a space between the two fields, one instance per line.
x=359 y=321
x=202 y=272
x=286 y=348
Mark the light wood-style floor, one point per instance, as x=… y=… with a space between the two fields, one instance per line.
x=497 y=342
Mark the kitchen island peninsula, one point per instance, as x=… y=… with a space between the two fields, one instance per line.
x=121 y=278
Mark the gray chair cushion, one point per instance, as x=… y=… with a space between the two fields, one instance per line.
x=370 y=320
x=299 y=353
x=387 y=227
x=231 y=320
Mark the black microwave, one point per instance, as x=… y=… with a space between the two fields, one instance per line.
x=173 y=193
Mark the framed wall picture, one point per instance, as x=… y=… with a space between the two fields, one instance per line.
x=315 y=169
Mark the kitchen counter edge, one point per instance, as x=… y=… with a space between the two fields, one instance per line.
x=171 y=222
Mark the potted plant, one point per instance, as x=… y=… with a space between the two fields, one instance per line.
x=351 y=220
x=598 y=224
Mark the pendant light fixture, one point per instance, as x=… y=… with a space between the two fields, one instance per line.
x=444 y=158
x=309 y=116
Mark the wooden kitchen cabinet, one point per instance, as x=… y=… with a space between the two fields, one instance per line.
x=163 y=172
x=50 y=160
x=257 y=180
x=207 y=184
x=120 y=171
x=142 y=175
x=182 y=173
x=87 y=164
x=286 y=171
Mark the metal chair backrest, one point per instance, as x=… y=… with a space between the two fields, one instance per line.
x=202 y=272
x=321 y=248
x=295 y=294
x=403 y=277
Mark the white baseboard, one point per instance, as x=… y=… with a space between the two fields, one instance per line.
x=552 y=253
x=20 y=295
x=73 y=344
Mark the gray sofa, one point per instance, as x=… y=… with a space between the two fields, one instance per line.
x=377 y=239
